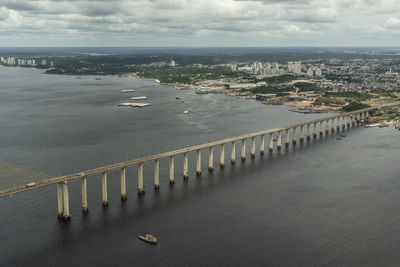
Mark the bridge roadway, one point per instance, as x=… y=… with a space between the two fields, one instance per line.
x=124 y=164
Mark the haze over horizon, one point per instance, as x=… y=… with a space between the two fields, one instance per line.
x=203 y=23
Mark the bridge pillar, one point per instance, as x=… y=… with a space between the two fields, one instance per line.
x=185 y=166
x=301 y=134
x=353 y=120
x=123 y=183
x=362 y=115
x=262 y=144
x=171 y=170
x=222 y=156
x=332 y=125
x=338 y=124
x=348 y=122
x=287 y=138
x=243 y=156
x=141 y=190
x=104 y=189
x=233 y=153
x=211 y=159
x=84 y=195
x=327 y=127
x=60 y=203
x=198 y=162
x=308 y=132
x=294 y=139
x=321 y=128
x=271 y=142
x=279 y=142
x=343 y=123
x=156 y=174
x=315 y=130
x=253 y=147
x=66 y=214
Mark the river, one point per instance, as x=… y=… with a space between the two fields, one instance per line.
x=328 y=202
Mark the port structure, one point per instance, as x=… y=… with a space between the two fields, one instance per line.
x=326 y=125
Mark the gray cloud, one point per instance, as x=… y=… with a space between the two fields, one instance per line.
x=201 y=22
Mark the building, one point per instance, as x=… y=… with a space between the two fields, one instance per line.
x=172 y=63
x=44 y=62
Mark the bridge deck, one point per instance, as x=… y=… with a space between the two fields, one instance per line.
x=44 y=180
x=15 y=176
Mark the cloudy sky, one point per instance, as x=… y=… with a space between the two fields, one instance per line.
x=199 y=23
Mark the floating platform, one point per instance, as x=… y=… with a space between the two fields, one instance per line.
x=135 y=105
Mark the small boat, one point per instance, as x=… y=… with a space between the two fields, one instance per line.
x=342 y=135
x=186 y=112
x=127 y=90
x=149 y=239
x=201 y=91
x=180 y=98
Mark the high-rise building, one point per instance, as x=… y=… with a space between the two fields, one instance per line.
x=310 y=72
x=44 y=62
x=172 y=63
x=318 y=72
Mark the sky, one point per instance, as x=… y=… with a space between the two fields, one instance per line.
x=199 y=23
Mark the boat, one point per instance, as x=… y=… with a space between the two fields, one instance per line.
x=139 y=97
x=134 y=104
x=149 y=239
x=98 y=79
x=127 y=90
x=186 y=112
x=342 y=135
x=201 y=91
x=180 y=97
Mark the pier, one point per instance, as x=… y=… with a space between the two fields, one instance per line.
x=294 y=133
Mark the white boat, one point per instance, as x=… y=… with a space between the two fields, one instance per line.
x=149 y=239
x=127 y=90
x=139 y=97
x=186 y=112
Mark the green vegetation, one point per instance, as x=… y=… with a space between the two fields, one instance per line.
x=329 y=101
x=305 y=86
x=188 y=75
x=271 y=89
x=278 y=79
x=390 y=113
x=355 y=106
x=350 y=96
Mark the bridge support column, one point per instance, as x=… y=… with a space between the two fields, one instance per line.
x=141 y=190
x=243 y=156
x=104 y=189
x=262 y=145
x=315 y=130
x=185 y=166
x=327 y=127
x=333 y=125
x=343 y=123
x=84 y=195
x=353 y=120
x=287 y=138
x=123 y=183
x=222 y=156
x=271 y=142
x=253 y=147
x=156 y=174
x=321 y=128
x=233 y=153
x=362 y=115
x=171 y=170
x=348 y=122
x=211 y=159
x=308 y=132
x=294 y=139
x=198 y=162
x=66 y=214
x=60 y=203
x=279 y=142
x=301 y=134
x=338 y=124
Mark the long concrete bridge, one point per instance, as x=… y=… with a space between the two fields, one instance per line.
x=306 y=130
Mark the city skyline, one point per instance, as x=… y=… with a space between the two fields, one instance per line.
x=201 y=23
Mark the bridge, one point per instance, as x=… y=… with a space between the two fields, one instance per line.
x=327 y=125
